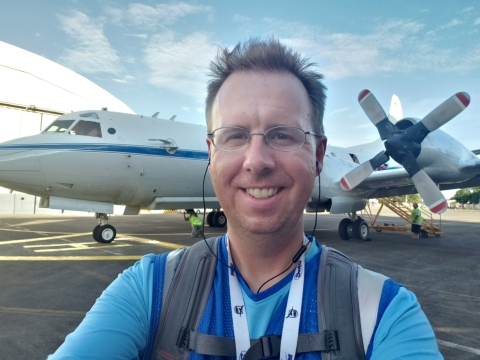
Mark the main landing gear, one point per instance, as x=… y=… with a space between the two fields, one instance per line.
x=216 y=218
x=103 y=232
x=353 y=228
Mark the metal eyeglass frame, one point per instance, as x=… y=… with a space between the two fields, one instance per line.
x=264 y=137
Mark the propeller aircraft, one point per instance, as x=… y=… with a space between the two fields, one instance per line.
x=92 y=160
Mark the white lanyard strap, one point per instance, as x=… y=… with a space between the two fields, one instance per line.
x=291 y=322
x=239 y=313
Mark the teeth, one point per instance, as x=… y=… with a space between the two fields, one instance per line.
x=262 y=193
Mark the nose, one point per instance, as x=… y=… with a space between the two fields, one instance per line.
x=20 y=169
x=259 y=157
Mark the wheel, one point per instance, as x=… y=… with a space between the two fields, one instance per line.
x=360 y=230
x=378 y=230
x=219 y=219
x=106 y=234
x=345 y=229
x=210 y=219
x=94 y=233
x=423 y=234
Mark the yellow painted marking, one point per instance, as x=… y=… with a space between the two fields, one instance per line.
x=70 y=258
x=154 y=242
x=42 y=238
x=41 y=312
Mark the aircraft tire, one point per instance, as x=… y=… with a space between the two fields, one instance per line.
x=106 y=234
x=94 y=233
x=360 y=229
x=345 y=229
x=219 y=219
x=210 y=219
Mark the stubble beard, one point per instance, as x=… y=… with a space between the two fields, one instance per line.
x=269 y=237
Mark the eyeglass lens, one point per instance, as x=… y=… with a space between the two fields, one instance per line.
x=281 y=138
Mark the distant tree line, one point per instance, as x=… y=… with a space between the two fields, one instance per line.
x=467 y=195
x=413 y=198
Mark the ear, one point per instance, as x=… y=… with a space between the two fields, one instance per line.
x=209 y=146
x=320 y=153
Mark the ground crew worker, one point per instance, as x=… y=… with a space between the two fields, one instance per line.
x=416 y=220
x=264 y=110
x=197 y=224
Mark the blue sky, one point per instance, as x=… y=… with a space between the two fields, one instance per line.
x=154 y=55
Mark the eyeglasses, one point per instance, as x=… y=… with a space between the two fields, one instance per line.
x=281 y=138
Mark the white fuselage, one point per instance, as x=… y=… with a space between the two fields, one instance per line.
x=139 y=161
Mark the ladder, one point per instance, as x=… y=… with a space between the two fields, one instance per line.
x=428 y=226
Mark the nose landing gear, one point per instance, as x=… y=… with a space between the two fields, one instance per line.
x=103 y=232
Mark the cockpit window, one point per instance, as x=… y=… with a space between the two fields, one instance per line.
x=87 y=128
x=59 y=126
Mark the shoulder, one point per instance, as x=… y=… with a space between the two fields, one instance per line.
x=125 y=304
x=404 y=331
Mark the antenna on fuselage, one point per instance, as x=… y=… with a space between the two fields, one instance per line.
x=173 y=118
x=156 y=114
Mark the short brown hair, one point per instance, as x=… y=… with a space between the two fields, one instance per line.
x=267 y=56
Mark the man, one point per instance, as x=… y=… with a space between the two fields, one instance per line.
x=416 y=220
x=264 y=112
x=196 y=223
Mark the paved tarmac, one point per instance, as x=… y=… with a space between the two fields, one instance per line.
x=51 y=272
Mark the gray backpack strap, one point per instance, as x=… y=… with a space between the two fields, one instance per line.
x=338 y=308
x=173 y=260
x=186 y=299
x=370 y=286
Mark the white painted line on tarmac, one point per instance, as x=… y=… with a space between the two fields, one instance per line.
x=41 y=239
x=154 y=242
x=459 y=347
x=81 y=247
x=38 y=222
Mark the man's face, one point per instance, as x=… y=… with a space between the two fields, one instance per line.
x=241 y=179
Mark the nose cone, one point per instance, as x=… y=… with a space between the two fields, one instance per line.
x=20 y=169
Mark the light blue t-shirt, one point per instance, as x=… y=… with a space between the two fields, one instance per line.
x=117 y=326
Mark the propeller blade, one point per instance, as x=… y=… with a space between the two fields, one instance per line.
x=428 y=190
x=439 y=116
x=361 y=172
x=376 y=114
x=395 y=113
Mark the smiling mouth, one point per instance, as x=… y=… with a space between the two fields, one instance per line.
x=262 y=193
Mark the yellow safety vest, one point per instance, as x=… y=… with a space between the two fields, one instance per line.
x=416 y=212
x=194 y=220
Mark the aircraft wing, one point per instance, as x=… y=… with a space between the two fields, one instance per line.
x=396 y=182
x=385 y=183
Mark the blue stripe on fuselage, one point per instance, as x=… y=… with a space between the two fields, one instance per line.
x=112 y=148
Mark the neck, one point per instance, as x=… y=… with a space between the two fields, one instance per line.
x=259 y=257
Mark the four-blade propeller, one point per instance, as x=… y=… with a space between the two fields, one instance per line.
x=404 y=146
